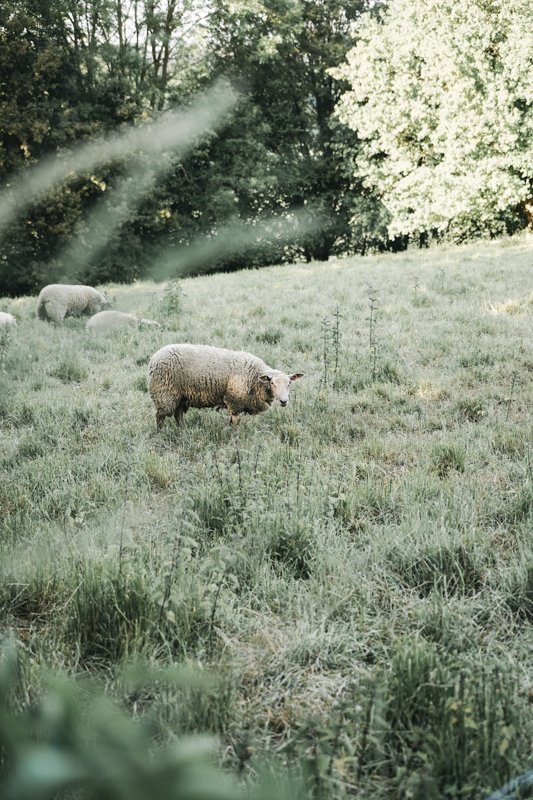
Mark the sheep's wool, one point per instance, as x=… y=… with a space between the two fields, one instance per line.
x=182 y=376
x=59 y=300
x=7 y=319
x=110 y=320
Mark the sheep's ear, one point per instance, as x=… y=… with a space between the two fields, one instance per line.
x=297 y=376
x=265 y=379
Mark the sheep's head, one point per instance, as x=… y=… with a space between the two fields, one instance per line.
x=279 y=385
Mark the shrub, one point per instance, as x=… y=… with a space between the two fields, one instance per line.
x=170 y=304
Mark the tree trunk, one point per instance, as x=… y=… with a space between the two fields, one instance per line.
x=527 y=207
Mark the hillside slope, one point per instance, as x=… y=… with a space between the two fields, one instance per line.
x=357 y=568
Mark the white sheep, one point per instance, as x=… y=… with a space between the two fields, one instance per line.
x=105 y=321
x=182 y=376
x=60 y=300
x=7 y=319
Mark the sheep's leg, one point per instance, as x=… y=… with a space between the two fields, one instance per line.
x=232 y=404
x=234 y=416
x=179 y=412
x=54 y=312
x=159 y=418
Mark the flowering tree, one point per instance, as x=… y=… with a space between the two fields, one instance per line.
x=441 y=97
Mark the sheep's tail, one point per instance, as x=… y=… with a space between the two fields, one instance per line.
x=41 y=310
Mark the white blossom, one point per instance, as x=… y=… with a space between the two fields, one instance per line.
x=442 y=100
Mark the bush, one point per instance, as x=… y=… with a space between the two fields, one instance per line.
x=170 y=304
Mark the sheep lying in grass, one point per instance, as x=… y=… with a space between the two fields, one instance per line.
x=182 y=376
x=110 y=320
x=7 y=319
x=60 y=300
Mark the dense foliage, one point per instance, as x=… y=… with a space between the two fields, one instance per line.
x=426 y=128
x=73 y=70
x=441 y=97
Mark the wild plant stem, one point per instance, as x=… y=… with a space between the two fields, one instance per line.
x=168 y=579
x=121 y=542
x=213 y=613
x=510 y=400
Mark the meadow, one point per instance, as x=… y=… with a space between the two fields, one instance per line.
x=354 y=570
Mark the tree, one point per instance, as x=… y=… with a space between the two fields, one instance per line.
x=285 y=148
x=70 y=70
x=39 y=112
x=77 y=69
x=441 y=99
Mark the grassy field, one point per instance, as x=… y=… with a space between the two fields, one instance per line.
x=356 y=569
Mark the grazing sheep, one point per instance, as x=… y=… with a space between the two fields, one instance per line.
x=7 y=319
x=60 y=300
x=110 y=320
x=182 y=376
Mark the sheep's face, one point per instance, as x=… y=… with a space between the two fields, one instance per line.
x=279 y=385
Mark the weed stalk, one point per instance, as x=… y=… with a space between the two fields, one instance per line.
x=326 y=340
x=213 y=614
x=336 y=337
x=372 y=338
x=169 y=577
x=511 y=393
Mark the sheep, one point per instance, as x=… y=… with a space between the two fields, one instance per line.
x=105 y=321
x=60 y=300
x=182 y=376
x=7 y=319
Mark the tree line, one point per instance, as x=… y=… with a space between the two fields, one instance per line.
x=393 y=122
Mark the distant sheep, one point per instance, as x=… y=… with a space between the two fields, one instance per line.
x=182 y=376
x=7 y=319
x=60 y=300
x=110 y=320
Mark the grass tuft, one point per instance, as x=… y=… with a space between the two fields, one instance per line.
x=70 y=370
x=449 y=569
x=446 y=458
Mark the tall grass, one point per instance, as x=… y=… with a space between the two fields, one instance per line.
x=353 y=570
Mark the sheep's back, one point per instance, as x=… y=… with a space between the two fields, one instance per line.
x=72 y=297
x=182 y=366
x=108 y=320
x=7 y=319
x=199 y=373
